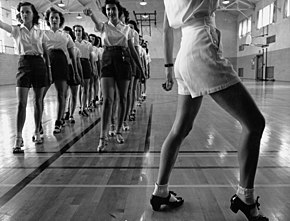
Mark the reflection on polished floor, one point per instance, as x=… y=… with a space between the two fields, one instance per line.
x=66 y=179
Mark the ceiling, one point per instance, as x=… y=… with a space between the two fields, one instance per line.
x=73 y=6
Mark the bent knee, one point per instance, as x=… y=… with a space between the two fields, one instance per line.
x=257 y=126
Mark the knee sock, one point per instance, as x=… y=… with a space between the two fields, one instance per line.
x=247 y=196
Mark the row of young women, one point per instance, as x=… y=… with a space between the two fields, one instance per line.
x=68 y=63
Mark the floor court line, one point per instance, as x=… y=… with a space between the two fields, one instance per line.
x=38 y=170
x=144 y=186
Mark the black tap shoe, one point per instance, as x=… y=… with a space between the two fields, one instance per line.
x=157 y=201
x=237 y=204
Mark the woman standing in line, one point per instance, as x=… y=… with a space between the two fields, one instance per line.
x=74 y=80
x=134 y=80
x=117 y=42
x=200 y=69
x=32 y=71
x=94 y=83
x=61 y=49
x=87 y=60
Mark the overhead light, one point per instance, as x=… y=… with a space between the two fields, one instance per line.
x=61 y=4
x=225 y=2
x=79 y=16
x=143 y=2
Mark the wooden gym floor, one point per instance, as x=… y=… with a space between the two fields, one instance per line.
x=66 y=179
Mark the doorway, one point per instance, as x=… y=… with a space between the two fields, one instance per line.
x=260 y=67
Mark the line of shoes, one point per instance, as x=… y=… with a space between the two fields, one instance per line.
x=236 y=205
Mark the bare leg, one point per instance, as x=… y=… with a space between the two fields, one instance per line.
x=237 y=101
x=108 y=87
x=38 y=107
x=85 y=91
x=187 y=109
x=22 y=94
x=123 y=86
x=73 y=99
x=61 y=87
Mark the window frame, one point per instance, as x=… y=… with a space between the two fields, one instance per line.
x=245 y=27
x=265 y=16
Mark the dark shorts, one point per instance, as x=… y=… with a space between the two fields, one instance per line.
x=87 y=69
x=71 y=80
x=59 y=65
x=31 y=72
x=116 y=63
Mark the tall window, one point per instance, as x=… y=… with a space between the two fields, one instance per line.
x=1 y=32
x=14 y=20
x=266 y=16
x=43 y=25
x=245 y=27
x=286 y=8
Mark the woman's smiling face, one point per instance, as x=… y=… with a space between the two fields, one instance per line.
x=54 y=20
x=112 y=12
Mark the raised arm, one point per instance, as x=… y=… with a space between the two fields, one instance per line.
x=5 y=26
x=98 y=24
x=168 y=41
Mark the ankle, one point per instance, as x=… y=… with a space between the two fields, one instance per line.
x=161 y=190
x=246 y=195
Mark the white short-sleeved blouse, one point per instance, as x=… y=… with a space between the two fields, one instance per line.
x=59 y=40
x=85 y=47
x=28 y=42
x=182 y=11
x=115 y=35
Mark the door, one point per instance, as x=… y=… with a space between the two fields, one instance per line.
x=260 y=67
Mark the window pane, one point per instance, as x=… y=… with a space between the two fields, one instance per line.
x=240 y=29
x=260 y=19
x=244 y=27
x=271 y=12
x=13 y=16
x=249 y=24
x=288 y=8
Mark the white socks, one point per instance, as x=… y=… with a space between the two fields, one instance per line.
x=247 y=196
x=163 y=191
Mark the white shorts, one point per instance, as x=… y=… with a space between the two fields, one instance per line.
x=200 y=68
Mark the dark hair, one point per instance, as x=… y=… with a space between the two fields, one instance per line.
x=134 y=24
x=53 y=10
x=113 y=2
x=96 y=39
x=100 y=41
x=34 y=11
x=126 y=15
x=70 y=32
x=83 y=30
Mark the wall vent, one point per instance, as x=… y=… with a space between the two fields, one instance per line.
x=271 y=39
x=241 y=72
x=241 y=47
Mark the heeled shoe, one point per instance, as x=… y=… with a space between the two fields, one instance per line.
x=112 y=130
x=18 y=144
x=157 y=201
x=119 y=138
x=103 y=142
x=125 y=126
x=37 y=139
x=237 y=204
